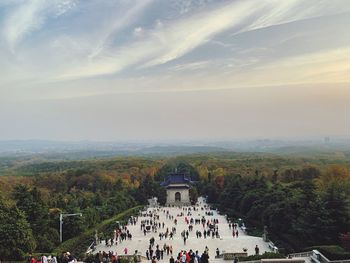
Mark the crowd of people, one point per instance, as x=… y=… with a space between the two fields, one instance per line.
x=66 y=257
x=106 y=257
x=188 y=257
x=161 y=226
x=119 y=235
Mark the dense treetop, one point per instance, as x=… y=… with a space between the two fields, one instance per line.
x=302 y=201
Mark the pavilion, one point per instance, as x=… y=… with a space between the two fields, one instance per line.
x=178 y=189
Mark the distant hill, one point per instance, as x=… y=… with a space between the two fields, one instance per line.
x=56 y=150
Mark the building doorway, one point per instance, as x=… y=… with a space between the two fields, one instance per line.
x=177 y=197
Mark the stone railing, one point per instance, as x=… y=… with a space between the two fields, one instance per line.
x=277 y=260
x=273 y=247
x=91 y=248
x=301 y=254
x=231 y=256
x=317 y=257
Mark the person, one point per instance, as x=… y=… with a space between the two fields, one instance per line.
x=256 y=250
x=171 y=260
x=125 y=250
x=154 y=259
x=29 y=258
x=70 y=258
x=183 y=257
x=97 y=257
x=235 y=260
x=198 y=256
x=135 y=257
x=192 y=256
x=43 y=259
x=188 y=258
x=147 y=254
x=217 y=252
x=205 y=257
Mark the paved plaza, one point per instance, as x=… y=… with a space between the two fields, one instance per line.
x=225 y=242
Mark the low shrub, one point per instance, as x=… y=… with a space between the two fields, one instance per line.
x=263 y=256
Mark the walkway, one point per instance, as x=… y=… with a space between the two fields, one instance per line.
x=226 y=242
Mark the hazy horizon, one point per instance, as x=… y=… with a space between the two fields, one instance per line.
x=179 y=70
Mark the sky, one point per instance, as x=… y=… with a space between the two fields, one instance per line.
x=107 y=70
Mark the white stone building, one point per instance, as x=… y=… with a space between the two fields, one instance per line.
x=177 y=189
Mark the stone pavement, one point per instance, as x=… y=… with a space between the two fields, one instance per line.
x=226 y=243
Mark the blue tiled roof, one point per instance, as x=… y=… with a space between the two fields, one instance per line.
x=176 y=178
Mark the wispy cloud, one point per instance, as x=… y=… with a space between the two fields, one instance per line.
x=28 y=16
x=329 y=66
x=175 y=39
x=138 y=39
x=115 y=26
x=191 y=66
x=77 y=64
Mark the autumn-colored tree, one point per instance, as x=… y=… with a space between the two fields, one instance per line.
x=337 y=176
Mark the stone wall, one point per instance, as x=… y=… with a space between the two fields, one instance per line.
x=185 y=197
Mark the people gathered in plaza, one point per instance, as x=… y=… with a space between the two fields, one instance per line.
x=159 y=225
x=65 y=257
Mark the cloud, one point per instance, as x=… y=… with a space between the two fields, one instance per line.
x=328 y=66
x=26 y=17
x=64 y=6
x=111 y=47
x=118 y=24
x=191 y=66
x=138 y=31
x=175 y=39
x=158 y=24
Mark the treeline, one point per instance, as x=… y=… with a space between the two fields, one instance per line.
x=33 y=166
x=30 y=206
x=301 y=208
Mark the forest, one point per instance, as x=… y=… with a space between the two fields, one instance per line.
x=303 y=201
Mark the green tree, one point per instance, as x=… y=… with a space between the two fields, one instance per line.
x=37 y=214
x=193 y=195
x=336 y=205
x=15 y=232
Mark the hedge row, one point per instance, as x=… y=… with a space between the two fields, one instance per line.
x=263 y=256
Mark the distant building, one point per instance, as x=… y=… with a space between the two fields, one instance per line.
x=177 y=189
